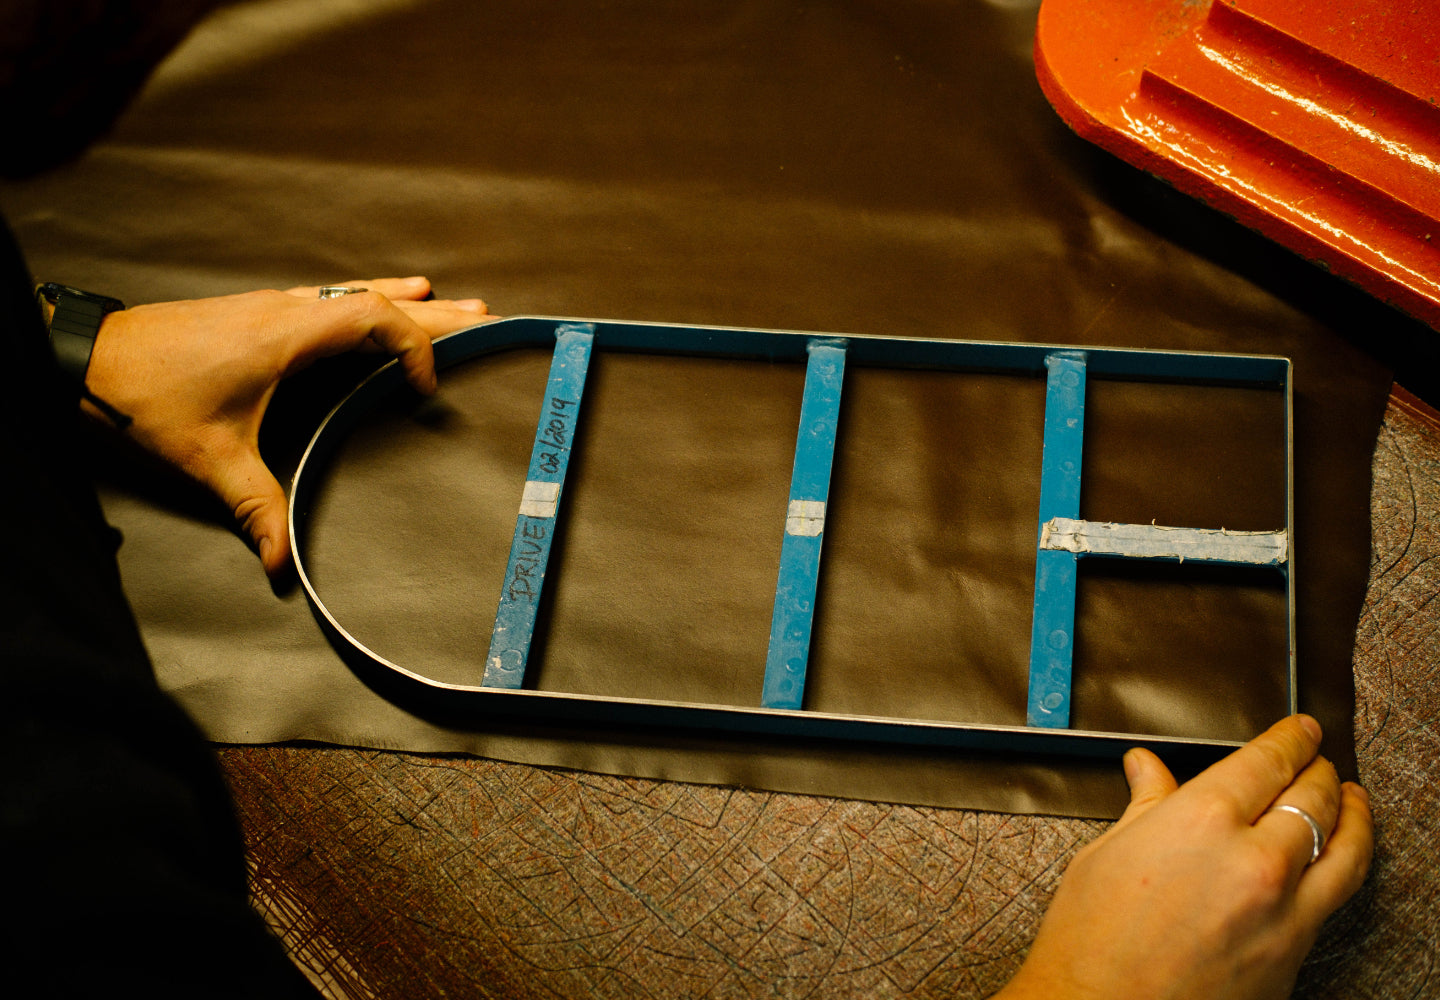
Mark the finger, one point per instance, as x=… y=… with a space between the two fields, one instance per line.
x=1341 y=869
x=1316 y=793
x=1150 y=783
x=1252 y=777
x=439 y=317
x=354 y=318
x=258 y=503
x=413 y=289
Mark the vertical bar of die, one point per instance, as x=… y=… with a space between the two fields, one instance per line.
x=795 y=588
x=539 y=504
x=1052 y=633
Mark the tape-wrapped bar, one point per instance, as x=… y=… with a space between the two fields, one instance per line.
x=794 y=611
x=539 y=506
x=1106 y=539
x=1052 y=633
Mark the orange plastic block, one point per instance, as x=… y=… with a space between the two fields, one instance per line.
x=1314 y=122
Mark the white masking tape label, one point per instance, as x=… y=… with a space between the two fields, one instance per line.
x=540 y=499
x=805 y=518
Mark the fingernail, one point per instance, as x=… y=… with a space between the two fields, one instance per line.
x=471 y=305
x=1131 y=762
x=1312 y=727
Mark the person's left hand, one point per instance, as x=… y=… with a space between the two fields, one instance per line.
x=195 y=377
x=1209 y=889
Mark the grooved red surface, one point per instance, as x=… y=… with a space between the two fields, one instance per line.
x=1314 y=123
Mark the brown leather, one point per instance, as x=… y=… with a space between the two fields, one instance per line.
x=866 y=168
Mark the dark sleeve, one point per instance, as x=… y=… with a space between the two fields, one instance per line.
x=126 y=863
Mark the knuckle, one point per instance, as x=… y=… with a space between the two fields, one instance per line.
x=369 y=300
x=375 y=314
x=1215 y=816
x=1265 y=871
x=1277 y=757
x=247 y=512
x=1329 y=794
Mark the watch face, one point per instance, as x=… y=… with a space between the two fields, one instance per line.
x=53 y=291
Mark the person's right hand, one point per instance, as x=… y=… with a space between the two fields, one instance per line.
x=1205 y=891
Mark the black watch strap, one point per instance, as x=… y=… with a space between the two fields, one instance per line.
x=74 y=324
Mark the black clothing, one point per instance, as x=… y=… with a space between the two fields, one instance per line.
x=127 y=863
x=69 y=67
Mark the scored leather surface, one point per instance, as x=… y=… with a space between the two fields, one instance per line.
x=845 y=168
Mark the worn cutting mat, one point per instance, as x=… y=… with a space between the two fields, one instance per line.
x=395 y=875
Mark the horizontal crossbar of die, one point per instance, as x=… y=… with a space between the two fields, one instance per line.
x=1153 y=541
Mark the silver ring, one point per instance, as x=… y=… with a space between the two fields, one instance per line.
x=335 y=291
x=1315 y=830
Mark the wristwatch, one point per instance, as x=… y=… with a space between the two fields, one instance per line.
x=74 y=324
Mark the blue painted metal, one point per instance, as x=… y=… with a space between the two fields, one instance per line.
x=1052 y=631
x=1067 y=371
x=795 y=588
x=540 y=503
x=861 y=349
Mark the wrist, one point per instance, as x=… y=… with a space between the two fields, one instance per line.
x=74 y=319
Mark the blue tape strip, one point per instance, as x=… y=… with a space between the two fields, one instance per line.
x=1052 y=632
x=540 y=502
x=794 y=612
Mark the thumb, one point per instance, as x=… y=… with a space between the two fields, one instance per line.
x=258 y=503
x=1150 y=783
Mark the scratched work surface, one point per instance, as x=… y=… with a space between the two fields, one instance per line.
x=394 y=875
